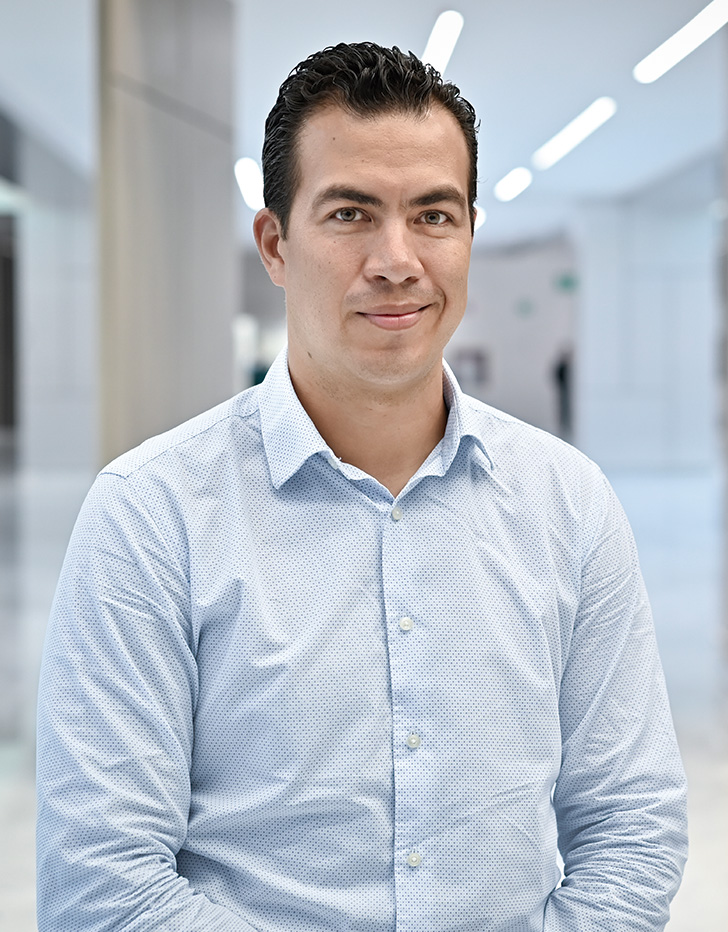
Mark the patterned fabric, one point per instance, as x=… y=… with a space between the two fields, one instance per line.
x=276 y=699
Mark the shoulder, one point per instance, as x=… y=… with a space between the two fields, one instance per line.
x=538 y=469
x=229 y=428
x=157 y=490
x=521 y=446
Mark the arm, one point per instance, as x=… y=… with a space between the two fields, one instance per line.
x=620 y=798
x=117 y=694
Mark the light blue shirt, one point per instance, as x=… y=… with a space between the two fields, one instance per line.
x=276 y=699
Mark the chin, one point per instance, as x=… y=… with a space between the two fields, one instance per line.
x=397 y=368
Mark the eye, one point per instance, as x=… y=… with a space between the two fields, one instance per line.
x=348 y=214
x=434 y=218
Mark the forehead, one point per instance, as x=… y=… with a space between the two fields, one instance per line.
x=392 y=149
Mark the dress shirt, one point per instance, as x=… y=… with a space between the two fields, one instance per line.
x=274 y=698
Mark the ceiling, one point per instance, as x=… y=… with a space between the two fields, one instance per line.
x=528 y=66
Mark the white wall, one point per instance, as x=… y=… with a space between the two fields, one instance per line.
x=648 y=332
x=520 y=315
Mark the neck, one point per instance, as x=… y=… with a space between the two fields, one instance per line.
x=387 y=433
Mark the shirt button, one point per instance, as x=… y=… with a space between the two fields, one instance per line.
x=406 y=624
x=413 y=740
x=414 y=859
x=396 y=513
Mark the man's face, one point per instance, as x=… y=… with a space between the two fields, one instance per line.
x=376 y=257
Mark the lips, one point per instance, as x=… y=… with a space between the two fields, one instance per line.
x=395 y=317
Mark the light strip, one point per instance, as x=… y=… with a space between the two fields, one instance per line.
x=480 y=217
x=250 y=181
x=514 y=183
x=701 y=27
x=442 y=41
x=573 y=133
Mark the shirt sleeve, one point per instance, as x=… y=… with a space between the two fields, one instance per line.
x=117 y=693
x=620 y=798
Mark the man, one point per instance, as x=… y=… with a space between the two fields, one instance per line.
x=351 y=651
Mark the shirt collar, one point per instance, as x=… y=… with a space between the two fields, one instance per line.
x=290 y=437
x=462 y=421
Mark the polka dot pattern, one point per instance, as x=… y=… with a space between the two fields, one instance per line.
x=276 y=699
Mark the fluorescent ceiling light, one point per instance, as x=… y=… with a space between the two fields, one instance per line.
x=686 y=40
x=250 y=181
x=480 y=217
x=443 y=39
x=514 y=183
x=573 y=133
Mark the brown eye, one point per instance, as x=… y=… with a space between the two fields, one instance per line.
x=434 y=217
x=347 y=214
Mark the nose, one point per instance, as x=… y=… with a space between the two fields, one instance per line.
x=393 y=254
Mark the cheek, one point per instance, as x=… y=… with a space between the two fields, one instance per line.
x=454 y=277
x=313 y=297
x=448 y=259
x=322 y=270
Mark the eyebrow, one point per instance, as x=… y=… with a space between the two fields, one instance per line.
x=337 y=193
x=447 y=193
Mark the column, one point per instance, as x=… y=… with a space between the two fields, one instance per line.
x=168 y=266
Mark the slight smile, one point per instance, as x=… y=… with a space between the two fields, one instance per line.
x=395 y=318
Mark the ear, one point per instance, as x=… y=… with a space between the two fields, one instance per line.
x=268 y=238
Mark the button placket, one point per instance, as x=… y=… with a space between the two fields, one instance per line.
x=399 y=579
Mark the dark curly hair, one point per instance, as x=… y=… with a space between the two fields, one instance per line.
x=365 y=79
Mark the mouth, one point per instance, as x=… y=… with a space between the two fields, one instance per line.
x=395 y=317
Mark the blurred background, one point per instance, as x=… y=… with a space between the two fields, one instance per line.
x=131 y=295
